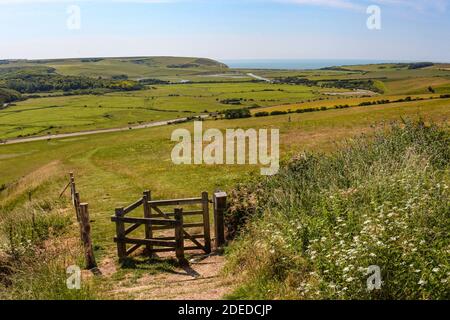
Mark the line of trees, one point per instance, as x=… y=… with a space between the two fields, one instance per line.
x=150 y=81
x=47 y=83
x=237 y=113
x=304 y=110
x=344 y=106
x=351 y=84
x=8 y=95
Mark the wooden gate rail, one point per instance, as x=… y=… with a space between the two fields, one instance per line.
x=176 y=202
x=145 y=221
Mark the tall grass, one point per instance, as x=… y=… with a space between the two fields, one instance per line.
x=31 y=224
x=36 y=247
x=43 y=277
x=312 y=231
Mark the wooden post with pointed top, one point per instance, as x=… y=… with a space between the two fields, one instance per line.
x=206 y=223
x=120 y=231
x=220 y=206
x=179 y=236
x=75 y=196
x=147 y=196
x=86 y=237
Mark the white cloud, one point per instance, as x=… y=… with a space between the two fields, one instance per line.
x=4 y=2
x=342 y=4
x=418 y=5
x=359 y=5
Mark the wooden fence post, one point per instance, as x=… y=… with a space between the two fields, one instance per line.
x=120 y=231
x=206 y=224
x=76 y=203
x=220 y=206
x=179 y=235
x=72 y=185
x=147 y=214
x=86 y=237
x=75 y=196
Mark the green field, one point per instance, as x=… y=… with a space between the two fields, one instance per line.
x=41 y=116
x=71 y=113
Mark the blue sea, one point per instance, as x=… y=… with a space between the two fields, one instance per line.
x=298 y=64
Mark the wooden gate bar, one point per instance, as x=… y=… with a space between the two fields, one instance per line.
x=148 y=221
x=133 y=249
x=185 y=226
x=186 y=213
x=132 y=207
x=132 y=228
x=176 y=202
x=197 y=236
x=159 y=243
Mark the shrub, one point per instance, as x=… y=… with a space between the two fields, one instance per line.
x=262 y=114
x=312 y=231
x=237 y=113
x=278 y=113
x=7 y=95
x=233 y=101
x=420 y=65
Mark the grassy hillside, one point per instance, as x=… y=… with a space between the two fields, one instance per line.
x=314 y=230
x=106 y=179
x=38 y=233
x=134 y=68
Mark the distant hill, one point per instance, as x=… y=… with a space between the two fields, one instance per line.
x=173 y=68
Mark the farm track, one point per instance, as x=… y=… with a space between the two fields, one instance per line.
x=254 y=76
x=201 y=280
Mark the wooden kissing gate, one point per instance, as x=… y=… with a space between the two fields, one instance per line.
x=156 y=219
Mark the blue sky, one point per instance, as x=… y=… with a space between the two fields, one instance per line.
x=227 y=29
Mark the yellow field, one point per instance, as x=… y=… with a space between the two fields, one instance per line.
x=332 y=102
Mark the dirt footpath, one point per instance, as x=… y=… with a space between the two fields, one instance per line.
x=202 y=280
